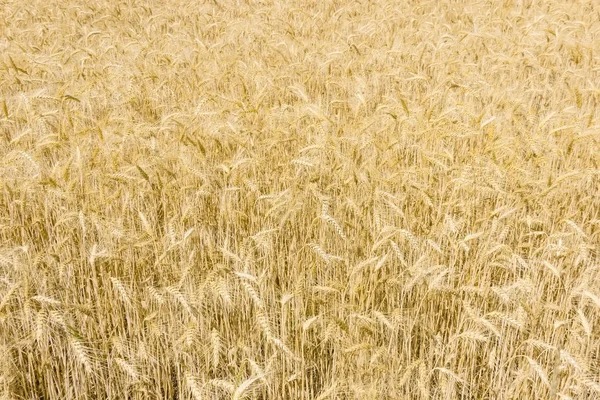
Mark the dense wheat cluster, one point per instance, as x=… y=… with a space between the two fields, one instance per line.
x=299 y=200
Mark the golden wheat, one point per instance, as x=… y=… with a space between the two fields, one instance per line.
x=267 y=199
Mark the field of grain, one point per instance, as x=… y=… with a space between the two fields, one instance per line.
x=301 y=199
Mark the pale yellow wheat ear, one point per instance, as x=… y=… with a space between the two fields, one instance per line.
x=121 y=290
x=194 y=387
x=128 y=368
x=407 y=373
x=320 y=252
x=81 y=352
x=41 y=324
x=242 y=390
x=179 y=298
x=222 y=385
x=335 y=225
x=251 y=291
x=216 y=347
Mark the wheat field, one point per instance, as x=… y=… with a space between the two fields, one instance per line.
x=301 y=199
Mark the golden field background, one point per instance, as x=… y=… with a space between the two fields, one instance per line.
x=299 y=200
